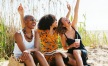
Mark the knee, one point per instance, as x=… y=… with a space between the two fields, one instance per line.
x=72 y=62
x=76 y=52
x=29 y=57
x=38 y=53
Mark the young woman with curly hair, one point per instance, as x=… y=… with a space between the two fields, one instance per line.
x=49 y=40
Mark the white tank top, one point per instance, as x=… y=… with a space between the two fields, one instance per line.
x=29 y=45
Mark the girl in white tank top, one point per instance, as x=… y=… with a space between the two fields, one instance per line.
x=27 y=42
x=29 y=45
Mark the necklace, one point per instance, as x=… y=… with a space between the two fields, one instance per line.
x=26 y=35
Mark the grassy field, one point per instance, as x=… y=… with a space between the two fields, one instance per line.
x=6 y=39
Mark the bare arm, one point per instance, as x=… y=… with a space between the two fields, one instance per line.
x=36 y=43
x=37 y=40
x=74 y=23
x=69 y=11
x=63 y=42
x=21 y=12
x=19 y=41
x=24 y=50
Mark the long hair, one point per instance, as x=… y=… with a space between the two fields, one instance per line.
x=46 y=21
x=61 y=29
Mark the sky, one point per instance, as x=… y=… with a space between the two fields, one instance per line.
x=96 y=14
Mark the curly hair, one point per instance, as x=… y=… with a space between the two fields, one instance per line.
x=61 y=29
x=46 y=21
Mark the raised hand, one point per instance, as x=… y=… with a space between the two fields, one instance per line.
x=68 y=7
x=21 y=12
x=20 y=9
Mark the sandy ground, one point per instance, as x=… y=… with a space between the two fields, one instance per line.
x=97 y=56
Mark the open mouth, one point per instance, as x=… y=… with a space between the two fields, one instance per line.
x=33 y=24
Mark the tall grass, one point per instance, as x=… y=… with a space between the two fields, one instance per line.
x=6 y=39
x=91 y=38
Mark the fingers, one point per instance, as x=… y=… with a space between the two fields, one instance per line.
x=69 y=7
x=77 y=44
x=20 y=7
x=24 y=56
x=20 y=4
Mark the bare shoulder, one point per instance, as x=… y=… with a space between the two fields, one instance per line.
x=17 y=35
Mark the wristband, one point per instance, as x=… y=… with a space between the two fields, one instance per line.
x=26 y=51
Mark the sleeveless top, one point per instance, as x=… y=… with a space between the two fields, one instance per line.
x=71 y=41
x=29 y=45
x=49 y=42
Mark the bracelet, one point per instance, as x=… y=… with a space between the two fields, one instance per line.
x=26 y=51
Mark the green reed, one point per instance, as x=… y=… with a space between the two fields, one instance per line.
x=6 y=39
x=91 y=37
x=105 y=38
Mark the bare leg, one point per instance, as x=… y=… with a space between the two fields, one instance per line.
x=41 y=59
x=77 y=55
x=30 y=61
x=59 y=59
x=72 y=60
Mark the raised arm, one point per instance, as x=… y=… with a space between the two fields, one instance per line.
x=21 y=12
x=69 y=11
x=75 y=20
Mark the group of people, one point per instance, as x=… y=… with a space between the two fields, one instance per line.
x=41 y=45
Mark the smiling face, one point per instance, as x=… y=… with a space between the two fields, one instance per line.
x=65 y=22
x=30 y=21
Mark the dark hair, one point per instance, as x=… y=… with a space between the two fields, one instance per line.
x=46 y=21
x=60 y=28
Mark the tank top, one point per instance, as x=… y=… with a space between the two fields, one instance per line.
x=71 y=41
x=29 y=45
